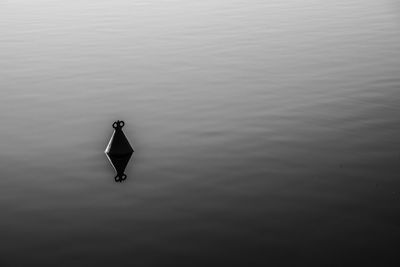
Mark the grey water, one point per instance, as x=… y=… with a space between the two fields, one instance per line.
x=265 y=132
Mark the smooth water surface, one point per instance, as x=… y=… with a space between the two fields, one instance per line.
x=265 y=132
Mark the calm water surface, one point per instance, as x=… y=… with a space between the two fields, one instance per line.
x=265 y=132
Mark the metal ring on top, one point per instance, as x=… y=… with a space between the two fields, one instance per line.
x=118 y=124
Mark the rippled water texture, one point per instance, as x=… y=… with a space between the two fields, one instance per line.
x=265 y=132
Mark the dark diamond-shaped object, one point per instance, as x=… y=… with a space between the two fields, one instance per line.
x=119 y=151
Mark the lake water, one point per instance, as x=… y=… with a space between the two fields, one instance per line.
x=265 y=132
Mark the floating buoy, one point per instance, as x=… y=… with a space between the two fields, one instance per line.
x=119 y=151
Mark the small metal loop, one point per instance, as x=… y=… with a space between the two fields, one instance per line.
x=115 y=125
x=120 y=177
x=118 y=124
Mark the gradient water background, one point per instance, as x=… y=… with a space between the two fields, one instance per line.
x=265 y=132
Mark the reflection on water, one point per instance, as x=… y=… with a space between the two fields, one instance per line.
x=119 y=151
x=265 y=132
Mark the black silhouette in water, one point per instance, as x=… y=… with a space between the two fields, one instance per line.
x=119 y=151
